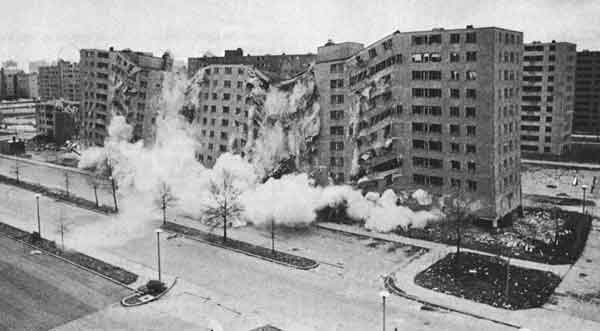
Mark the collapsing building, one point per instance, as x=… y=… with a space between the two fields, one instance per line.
x=124 y=82
x=241 y=110
x=427 y=110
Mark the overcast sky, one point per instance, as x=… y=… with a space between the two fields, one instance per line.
x=48 y=29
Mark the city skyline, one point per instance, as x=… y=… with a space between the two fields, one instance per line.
x=48 y=32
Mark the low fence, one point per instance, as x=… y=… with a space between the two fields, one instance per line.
x=75 y=181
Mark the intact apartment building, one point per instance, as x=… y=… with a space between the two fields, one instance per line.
x=222 y=110
x=27 y=86
x=284 y=65
x=436 y=109
x=548 y=96
x=331 y=75
x=121 y=81
x=587 y=93
x=59 y=81
x=8 y=83
x=56 y=119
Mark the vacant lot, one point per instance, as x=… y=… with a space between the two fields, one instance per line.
x=40 y=292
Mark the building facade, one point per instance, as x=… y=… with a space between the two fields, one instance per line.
x=60 y=81
x=331 y=75
x=548 y=96
x=222 y=111
x=27 y=86
x=587 y=93
x=124 y=82
x=284 y=65
x=9 y=83
x=437 y=110
x=56 y=119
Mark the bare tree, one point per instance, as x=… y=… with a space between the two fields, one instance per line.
x=165 y=199
x=224 y=202
x=95 y=182
x=63 y=227
x=459 y=210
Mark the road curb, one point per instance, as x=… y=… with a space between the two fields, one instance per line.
x=312 y=266
x=71 y=262
x=390 y=284
x=49 y=193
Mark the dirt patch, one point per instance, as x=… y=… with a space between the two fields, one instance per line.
x=554 y=237
x=483 y=279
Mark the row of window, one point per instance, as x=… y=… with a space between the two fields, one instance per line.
x=454 y=38
x=436 y=146
x=470 y=112
x=227 y=84
x=227 y=70
x=532 y=118
x=225 y=110
x=535 y=148
x=226 y=96
x=453 y=129
x=437 y=93
x=429 y=163
x=372 y=70
x=535 y=138
x=437 y=181
x=454 y=57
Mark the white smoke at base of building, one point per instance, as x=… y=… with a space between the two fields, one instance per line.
x=288 y=119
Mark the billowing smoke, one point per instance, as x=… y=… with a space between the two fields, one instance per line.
x=288 y=122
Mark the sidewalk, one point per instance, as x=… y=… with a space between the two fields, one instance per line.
x=533 y=319
x=579 y=292
x=590 y=166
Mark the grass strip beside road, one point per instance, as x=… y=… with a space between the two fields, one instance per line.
x=57 y=194
x=264 y=253
x=108 y=270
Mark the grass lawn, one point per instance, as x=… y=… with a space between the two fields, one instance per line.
x=482 y=279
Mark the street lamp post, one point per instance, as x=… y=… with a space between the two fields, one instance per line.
x=584 y=188
x=158 y=232
x=273 y=235
x=383 y=294
x=37 y=203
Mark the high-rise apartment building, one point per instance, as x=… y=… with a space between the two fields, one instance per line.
x=587 y=93
x=59 y=81
x=122 y=82
x=547 y=97
x=9 y=83
x=331 y=75
x=27 y=86
x=222 y=111
x=437 y=110
x=284 y=65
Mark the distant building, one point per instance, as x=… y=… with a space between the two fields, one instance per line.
x=284 y=65
x=57 y=119
x=59 y=81
x=124 y=82
x=27 y=86
x=8 y=83
x=547 y=97
x=587 y=93
x=35 y=65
